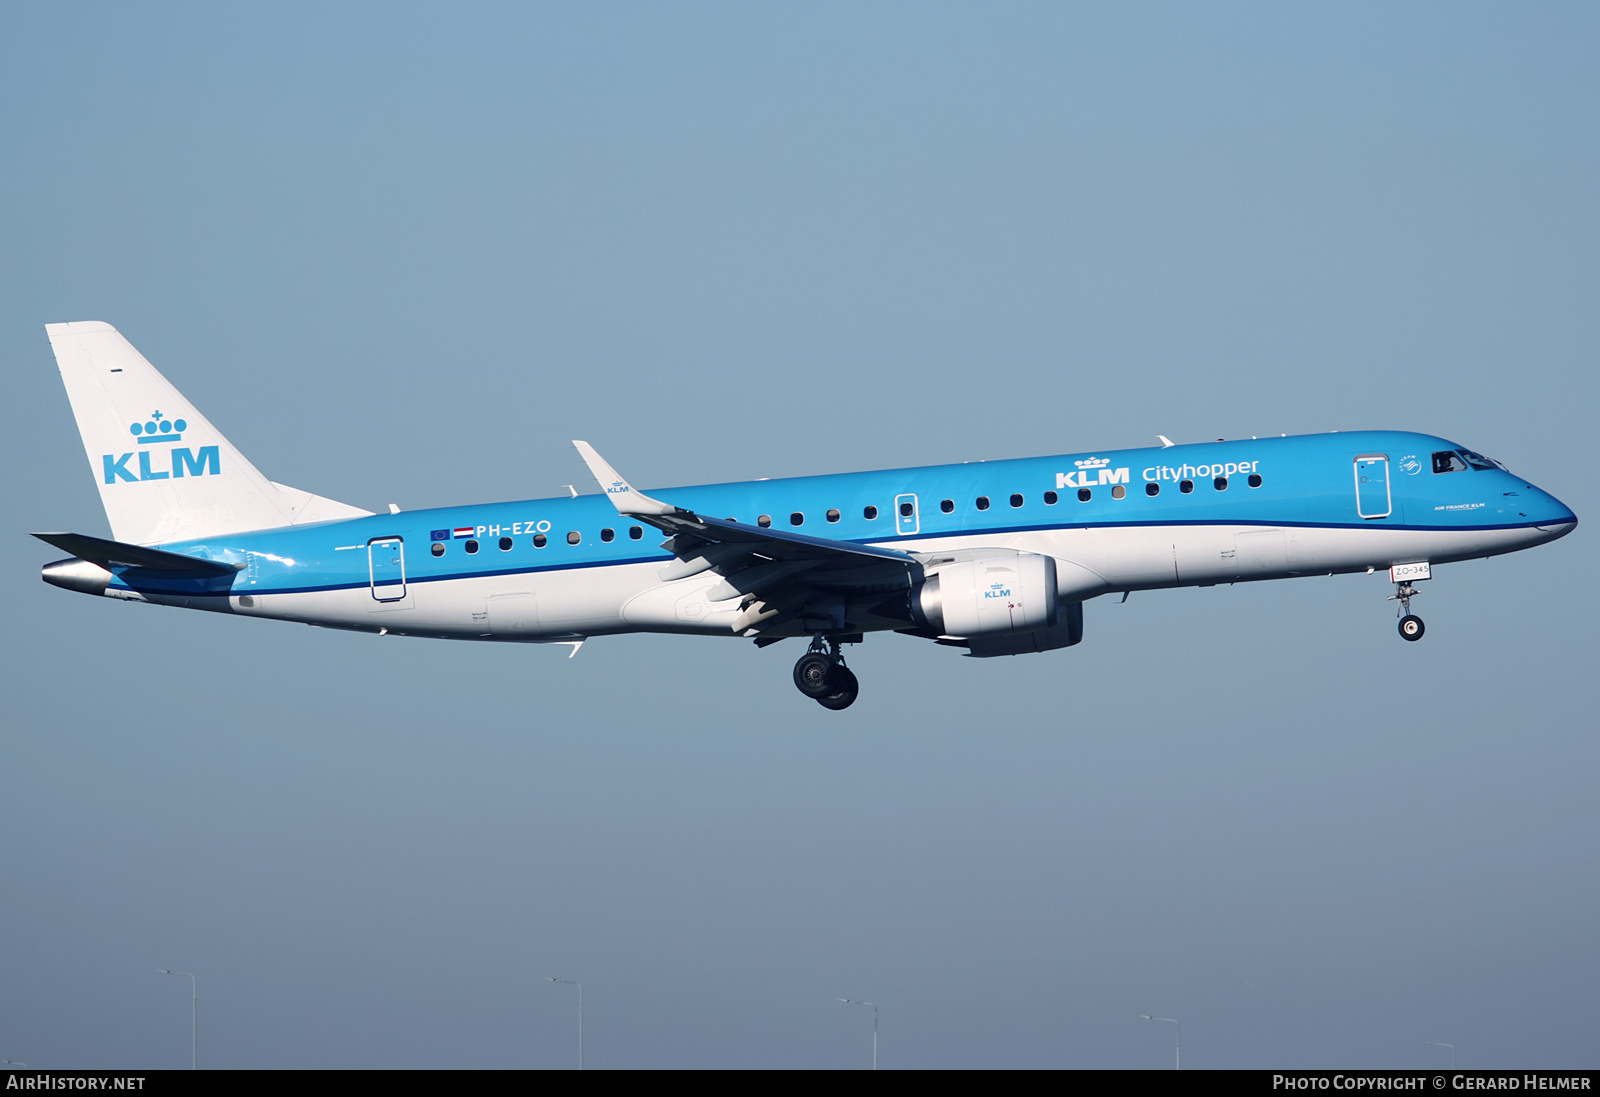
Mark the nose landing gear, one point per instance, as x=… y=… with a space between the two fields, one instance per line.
x=1411 y=626
x=821 y=675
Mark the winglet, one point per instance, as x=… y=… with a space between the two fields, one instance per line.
x=622 y=494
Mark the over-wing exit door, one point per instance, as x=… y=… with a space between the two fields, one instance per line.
x=905 y=515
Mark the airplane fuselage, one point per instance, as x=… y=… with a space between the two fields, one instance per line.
x=555 y=569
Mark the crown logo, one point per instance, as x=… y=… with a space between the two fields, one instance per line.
x=158 y=429
x=1093 y=462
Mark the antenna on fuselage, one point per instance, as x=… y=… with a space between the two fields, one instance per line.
x=1166 y=443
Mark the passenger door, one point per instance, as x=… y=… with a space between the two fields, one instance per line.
x=1372 y=486
x=386 y=564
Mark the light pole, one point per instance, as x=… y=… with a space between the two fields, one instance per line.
x=194 y=1007
x=1177 y=1047
x=1452 y=1047
x=574 y=983
x=853 y=1002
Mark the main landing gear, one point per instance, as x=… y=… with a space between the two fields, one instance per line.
x=821 y=675
x=1411 y=626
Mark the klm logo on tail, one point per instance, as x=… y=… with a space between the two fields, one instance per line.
x=158 y=431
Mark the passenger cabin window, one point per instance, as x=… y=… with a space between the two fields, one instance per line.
x=1119 y=492
x=797 y=519
x=869 y=513
x=1050 y=498
x=472 y=546
x=574 y=537
x=906 y=510
x=1255 y=480
x=438 y=548
x=983 y=502
x=540 y=540
x=608 y=535
x=764 y=521
x=1152 y=488
x=1448 y=461
x=1220 y=483
x=1186 y=486
x=833 y=516
x=1084 y=495
x=948 y=506
x=635 y=532
x=1016 y=500
x=505 y=544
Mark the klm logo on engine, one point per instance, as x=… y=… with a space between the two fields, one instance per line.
x=182 y=462
x=998 y=590
x=1092 y=472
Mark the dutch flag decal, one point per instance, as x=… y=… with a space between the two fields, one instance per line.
x=465 y=531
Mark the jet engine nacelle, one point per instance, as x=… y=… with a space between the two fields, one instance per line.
x=996 y=594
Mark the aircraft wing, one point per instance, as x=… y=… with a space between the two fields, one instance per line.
x=780 y=544
x=778 y=574
x=777 y=544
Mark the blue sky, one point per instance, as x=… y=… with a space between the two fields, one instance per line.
x=405 y=253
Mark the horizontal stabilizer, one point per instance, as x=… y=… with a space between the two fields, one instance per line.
x=110 y=554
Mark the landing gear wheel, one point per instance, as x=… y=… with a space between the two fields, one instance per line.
x=815 y=675
x=846 y=685
x=1411 y=627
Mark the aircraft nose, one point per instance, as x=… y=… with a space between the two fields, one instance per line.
x=1553 y=515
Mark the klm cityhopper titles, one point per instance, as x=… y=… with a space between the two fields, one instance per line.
x=995 y=558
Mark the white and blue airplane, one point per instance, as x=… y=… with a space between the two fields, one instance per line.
x=996 y=558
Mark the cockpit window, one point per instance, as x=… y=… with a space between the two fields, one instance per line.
x=1448 y=461
x=1478 y=460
